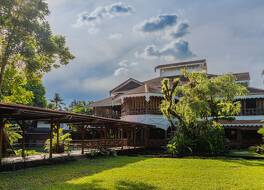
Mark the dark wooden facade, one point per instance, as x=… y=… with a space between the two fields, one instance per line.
x=139 y=106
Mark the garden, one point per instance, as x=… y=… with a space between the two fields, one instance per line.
x=140 y=173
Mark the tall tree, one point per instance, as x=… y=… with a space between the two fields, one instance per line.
x=57 y=102
x=36 y=87
x=202 y=103
x=79 y=106
x=14 y=87
x=26 y=40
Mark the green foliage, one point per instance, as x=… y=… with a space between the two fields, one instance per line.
x=12 y=132
x=102 y=152
x=27 y=42
x=261 y=131
x=83 y=107
x=56 y=103
x=36 y=87
x=27 y=152
x=14 y=87
x=259 y=148
x=64 y=141
x=194 y=106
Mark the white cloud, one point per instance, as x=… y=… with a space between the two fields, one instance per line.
x=92 y=19
x=121 y=71
x=178 y=49
x=124 y=67
x=115 y=36
x=159 y=23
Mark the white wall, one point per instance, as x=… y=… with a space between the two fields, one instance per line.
x=157 y=120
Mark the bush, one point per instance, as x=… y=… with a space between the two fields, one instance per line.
x=211 y=141
x=258 y=149
x=102 y=152
x=27 y=152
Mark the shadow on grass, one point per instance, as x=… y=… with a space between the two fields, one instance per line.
x=119 y=185
x=128 y=185
x=241 y=161
x=48 y=176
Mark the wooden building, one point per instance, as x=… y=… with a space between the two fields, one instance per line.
x=140 y=102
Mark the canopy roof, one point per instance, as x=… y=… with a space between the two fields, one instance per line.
x=23 y=113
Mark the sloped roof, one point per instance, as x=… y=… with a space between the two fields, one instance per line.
x=126 y=85
x=144 y=89
x=185 y=63
x=239 y=123
x=253 y=90
x=105 y=102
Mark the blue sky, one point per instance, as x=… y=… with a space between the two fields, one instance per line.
x=115 y=40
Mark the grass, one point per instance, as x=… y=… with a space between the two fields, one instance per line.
x=245 y=153
x=140 y=173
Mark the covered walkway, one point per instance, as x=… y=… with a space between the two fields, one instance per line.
x=116 y=133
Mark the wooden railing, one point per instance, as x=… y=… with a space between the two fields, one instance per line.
x=141 y=111
x=97 y=143
x=252 y=111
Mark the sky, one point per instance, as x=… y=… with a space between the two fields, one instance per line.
x=115 y=40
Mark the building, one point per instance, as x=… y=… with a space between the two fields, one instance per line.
x=138 y=101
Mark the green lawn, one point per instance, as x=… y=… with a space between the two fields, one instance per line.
x=133 y=173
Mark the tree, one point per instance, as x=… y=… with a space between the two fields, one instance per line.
x=36 y=87
x=201 y=104
x=26 y=40
x=83 y=107
x=56 y=102
x=14 y=87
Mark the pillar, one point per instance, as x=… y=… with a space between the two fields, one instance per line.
x=82 y=134
x=23 y=141
x=1 y=139
x=50 y=137
x=146 y=137
x=57 y=137
x=239 y=138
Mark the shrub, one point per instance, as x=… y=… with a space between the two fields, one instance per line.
x=210 y=141
x=27 y=152
x=102 y=152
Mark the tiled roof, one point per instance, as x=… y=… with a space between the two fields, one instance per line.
x=126 y=85
x=181 y=63
x=253 y=90
x=105 y=102
x=242 y=122
x=145 y=89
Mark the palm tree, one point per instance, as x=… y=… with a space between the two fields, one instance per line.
x=57 y=102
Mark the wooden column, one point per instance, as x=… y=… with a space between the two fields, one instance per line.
x=239 y=138
x=146 y=137
x=134 y=136
x=82 y=134
x=58 y=137
x=1 y=138
x=23 y=141
x=50 y=137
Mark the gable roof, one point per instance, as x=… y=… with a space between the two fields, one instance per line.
x=127 y=85
x=145 y=89
x=178 y=64
x=105 y=102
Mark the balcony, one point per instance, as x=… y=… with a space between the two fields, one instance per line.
x=141 y=112
x=252 y=111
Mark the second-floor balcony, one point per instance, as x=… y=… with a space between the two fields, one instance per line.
x=252 y=111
